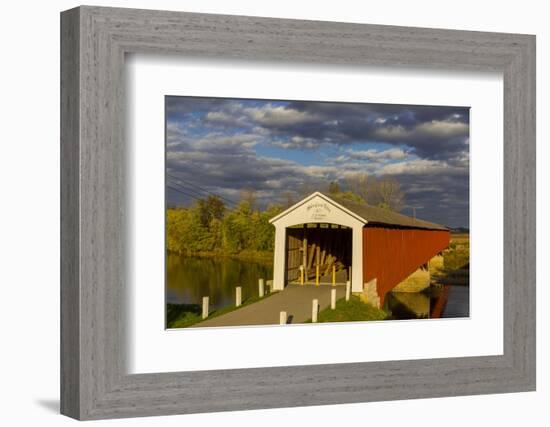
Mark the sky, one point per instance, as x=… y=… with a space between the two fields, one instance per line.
x=278 y=147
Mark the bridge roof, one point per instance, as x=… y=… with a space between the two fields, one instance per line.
x=375 y=215
x=369 y=214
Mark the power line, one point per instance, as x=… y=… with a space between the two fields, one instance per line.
x=181 y=189
x=188 y=183
x=182 y=192
x=211 y=211
x=185 y=189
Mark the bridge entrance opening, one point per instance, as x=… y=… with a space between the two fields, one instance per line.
x=318 y=253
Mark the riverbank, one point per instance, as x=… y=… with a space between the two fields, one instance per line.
x=456 y=262
x=246 y=255
x=185 y=315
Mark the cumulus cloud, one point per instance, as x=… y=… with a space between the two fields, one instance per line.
x=224 y=142
x=271 y=115
x=416 y=166
x=226 y=145
x=227 y=176
x=297 y=142
x=393 y=153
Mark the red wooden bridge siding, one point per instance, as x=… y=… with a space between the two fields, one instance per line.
x=391 y=254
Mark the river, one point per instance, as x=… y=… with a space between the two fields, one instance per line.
x=190 y=278
x=446 y=301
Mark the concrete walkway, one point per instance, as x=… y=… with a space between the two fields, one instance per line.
x=296 y=300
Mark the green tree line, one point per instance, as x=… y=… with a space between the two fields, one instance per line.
x=209 y=226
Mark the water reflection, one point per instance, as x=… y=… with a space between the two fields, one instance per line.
x=446 y=301
x=189 y=278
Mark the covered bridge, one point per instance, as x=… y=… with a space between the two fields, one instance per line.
x=321 y=238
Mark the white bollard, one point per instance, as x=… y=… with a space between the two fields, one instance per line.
x=261 y=288
x=348 y=290
x=238 y=296
x=314 y=310
x=204 y=307
x=333 y=299
x=282 y=318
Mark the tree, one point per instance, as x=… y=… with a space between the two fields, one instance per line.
x=176 y=220
x=265 y=230
x=359 y=185
x=210 y=209
x=185 y=232
x=385 y=192
x=349 y=192
x=349 y=195
x=334 y=187
x=249 y=195
x=288 y=199
x=208 y=227
x=306 y=188
x=237 y=228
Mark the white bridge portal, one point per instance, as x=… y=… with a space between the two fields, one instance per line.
x=294 y=225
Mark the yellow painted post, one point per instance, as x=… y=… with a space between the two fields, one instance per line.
x=318 y=261
x=304 y=252
x=301 y=275
x=349 y=273
x=317 y=275
x=333 y=275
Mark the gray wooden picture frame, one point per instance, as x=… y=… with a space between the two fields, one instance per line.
x=94 y=41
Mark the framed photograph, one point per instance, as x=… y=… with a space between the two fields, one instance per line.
x=302 y=201
x=262 y=213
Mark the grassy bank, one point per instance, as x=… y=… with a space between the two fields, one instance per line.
x=185 y=315
x=458 y=254
x=349 y=311
x=456 y=261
